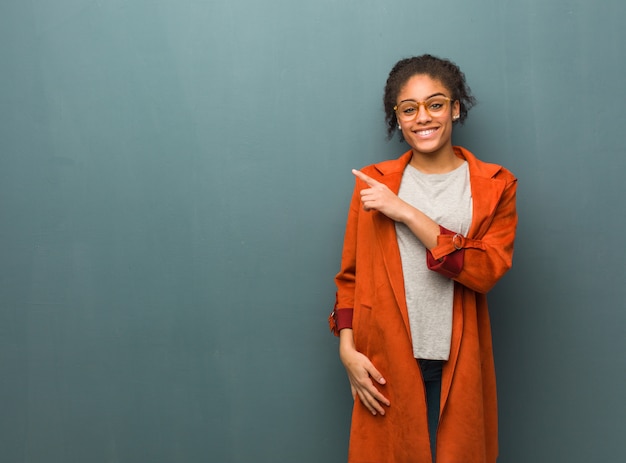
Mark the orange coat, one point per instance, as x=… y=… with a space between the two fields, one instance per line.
x=371 y=282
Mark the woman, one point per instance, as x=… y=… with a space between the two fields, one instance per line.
x=428 y=235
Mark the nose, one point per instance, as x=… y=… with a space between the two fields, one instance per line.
x=422 y=113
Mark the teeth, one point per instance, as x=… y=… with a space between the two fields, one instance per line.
x=426 y=132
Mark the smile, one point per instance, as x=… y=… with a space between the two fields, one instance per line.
x=425 y=133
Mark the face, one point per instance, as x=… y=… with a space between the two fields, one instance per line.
x=428 y=133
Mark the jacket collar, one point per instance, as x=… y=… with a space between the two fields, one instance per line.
x=477 y=168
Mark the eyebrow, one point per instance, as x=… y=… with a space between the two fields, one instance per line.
x=427 y=98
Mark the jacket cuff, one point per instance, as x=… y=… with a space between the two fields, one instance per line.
x=450 y=264
x=340 y=319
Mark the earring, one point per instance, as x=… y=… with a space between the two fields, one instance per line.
x=399 y=127
x=454 y=118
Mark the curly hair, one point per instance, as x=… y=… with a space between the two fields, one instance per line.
x=443 y=70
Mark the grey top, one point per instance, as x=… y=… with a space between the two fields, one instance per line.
x=446 y=199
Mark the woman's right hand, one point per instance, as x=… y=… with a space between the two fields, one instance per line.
x=362 y=375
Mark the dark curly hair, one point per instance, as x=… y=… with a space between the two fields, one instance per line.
x=439 y=69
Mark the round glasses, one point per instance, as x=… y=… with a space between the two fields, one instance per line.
x=435 y=106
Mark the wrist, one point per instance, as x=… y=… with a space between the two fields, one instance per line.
x=346 y=342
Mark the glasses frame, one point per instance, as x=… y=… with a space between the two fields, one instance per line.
x=420 y=103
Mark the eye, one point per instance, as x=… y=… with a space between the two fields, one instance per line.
x=436 y=106
x=407 y=108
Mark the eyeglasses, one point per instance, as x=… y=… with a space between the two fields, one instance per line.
x=435 y=106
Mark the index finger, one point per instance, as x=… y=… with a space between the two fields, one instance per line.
x=369 y=180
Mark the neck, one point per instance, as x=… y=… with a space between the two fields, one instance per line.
x=436 y=163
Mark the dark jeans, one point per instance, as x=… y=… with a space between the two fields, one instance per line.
x=431 y=372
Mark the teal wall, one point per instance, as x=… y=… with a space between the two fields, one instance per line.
x=174 y=179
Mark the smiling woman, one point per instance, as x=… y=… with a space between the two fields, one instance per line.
x=428 y=234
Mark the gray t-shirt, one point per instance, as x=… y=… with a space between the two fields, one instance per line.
x=446 y=199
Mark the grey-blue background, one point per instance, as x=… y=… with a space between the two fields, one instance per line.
x=174 y=179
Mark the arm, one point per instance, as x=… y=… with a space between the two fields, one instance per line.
x=479 y=263
x=379 y=197
x=361 y=372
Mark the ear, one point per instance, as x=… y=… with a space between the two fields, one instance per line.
x=456 y=109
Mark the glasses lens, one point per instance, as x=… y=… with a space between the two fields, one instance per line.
x=436 y=105
x=408 y=110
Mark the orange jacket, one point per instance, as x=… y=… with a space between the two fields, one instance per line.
x=371 y=283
